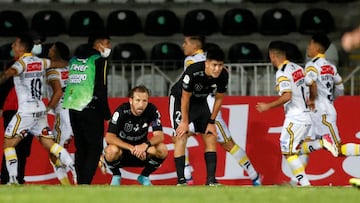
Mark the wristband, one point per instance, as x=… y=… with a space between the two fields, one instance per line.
x=211 y=121
x=148 y=145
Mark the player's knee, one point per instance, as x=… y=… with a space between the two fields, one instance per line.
x=162 y=151
x=47 y=133
x=112 y=153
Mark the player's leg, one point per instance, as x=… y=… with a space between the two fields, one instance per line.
x=111 y=160
x=291 y=136
x=156 y=156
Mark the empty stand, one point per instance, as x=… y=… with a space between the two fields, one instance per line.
x=303 y=1
x=123 y=23
x=85 y=22
x=209 y=45
x=277 y=21
x=200 y=22
x=167 y=55
x=293 y=53
x=239 y=21
x=244 y=52
x=118 y=85
x=5 y=52
x=264 y=1
x=315 y=20
x=156 y=82
x=128 y=52
x=48 y=23
x=12 y=23
x=161 y=22
x=81 y=49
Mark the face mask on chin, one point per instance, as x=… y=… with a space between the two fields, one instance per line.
x=105 y=53
x=37 y=49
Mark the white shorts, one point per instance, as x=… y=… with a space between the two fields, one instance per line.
x=23 y=122
x=62 y=127
x=292 y=135
x=324 y=125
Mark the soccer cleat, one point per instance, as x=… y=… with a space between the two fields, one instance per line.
x=257 y=180
x=355 y=182
x=13 y=181
x=102 y=164
x=143 y=180
x=329 y=145
x=115 y=180
x=213 y=184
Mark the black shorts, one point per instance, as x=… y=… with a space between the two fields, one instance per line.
x=129 y=160
x=199 y=113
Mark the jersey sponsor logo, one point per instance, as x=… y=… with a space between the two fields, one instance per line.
x=35 y=66
x=327 y=70
x=297 y=75
x=64 y=75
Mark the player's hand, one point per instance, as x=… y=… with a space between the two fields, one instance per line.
x=311 y=105
x=261 y=107
x=182 y=129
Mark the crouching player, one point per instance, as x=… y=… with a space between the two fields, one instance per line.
x=127 y=138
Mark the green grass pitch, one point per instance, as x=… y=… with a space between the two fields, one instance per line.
x=173 y=194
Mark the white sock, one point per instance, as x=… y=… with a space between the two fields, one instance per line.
x=242 y=159
x=298 y=170
x=11 y=161
x=60 y=172
x=61 y=154
x=350 y=149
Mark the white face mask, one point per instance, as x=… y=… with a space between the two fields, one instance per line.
x=37 y=49
x=105 y=53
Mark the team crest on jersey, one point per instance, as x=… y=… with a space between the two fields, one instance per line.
x=198 y=87
x=128 y=127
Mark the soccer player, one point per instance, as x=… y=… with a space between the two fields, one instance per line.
x=192 y=47
x=57 y=78
x=290 y=83
x=190 y=112
x=325 y=84
x=28 y=72
x=128 y=140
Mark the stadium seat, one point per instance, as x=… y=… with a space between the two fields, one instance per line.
x=161 y=22
x=293 y=53
x=210 y=45
x=5 y=52
x=244 y=52
x=74 y=1
x=112 y=1
x=303 y=1
x=12 y=23
x=314 y=20
x=277 y=21
x=48 y=23
x=167 y=55
x=200 y=22
x=239 y=21
x=128 y=52
x=35 y=1
x=264 y=1
x=123 y=23
x=341 y=1
x=85 y=22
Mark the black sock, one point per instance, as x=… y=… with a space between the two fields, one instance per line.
x=180 y=165
x=114 y=167
x=210 y=159
x=153 y=164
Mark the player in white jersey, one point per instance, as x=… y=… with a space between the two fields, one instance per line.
x=57 y=78
x=28 y=73
x=325 y=84
x=194 y=53
x=290 y=83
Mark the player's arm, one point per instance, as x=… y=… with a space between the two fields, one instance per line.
x=339 y=86
x=112 y=139
x=7 y=74
x=54 y=81
x=219 y=97
x=285 y=97
x=58 y=63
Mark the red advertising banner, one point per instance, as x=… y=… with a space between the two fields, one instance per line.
x=257 y=133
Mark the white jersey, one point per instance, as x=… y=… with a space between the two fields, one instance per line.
x=290 y=78
x=197 y=57
x=60 y=74
x=28 y=82
x=325 y=75
x=62 y=126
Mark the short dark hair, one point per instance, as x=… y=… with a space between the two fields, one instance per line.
x=27 y=41
x=100 y=35
x=215 y=53
x=139 y=88
x=278 y=46
x=62 y=50
x=321 y=39
x=199 y=38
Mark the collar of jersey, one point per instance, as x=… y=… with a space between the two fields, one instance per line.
x=26 y=54
x=283 y=63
